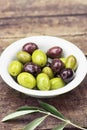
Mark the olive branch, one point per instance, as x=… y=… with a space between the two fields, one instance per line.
x=47 y=110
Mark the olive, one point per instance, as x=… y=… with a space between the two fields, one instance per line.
x=57 y=65
x=23 y=56
x=30 y=47
x=67 y=75
x=48 y=71
x=43 y=81
x=71 y=62
x=39 y=58
x=57 y=83
x=32 y=68
x=15 y=67
x=54 y=52
x=26 y=80
x=63 y=60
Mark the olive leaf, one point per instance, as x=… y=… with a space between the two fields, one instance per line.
x=32 y=125
x=28 y=108
x=23 y=108
x=51 y=109
x=60 y=127
x=18 y=114
x=46 y=109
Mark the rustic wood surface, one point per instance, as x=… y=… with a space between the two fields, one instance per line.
x=63 y=18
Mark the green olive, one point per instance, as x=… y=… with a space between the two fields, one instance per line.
x=15 y=67
x=57 y=83
x=48 y=71
x=23 y=56
x=63 y=60
x=39 y=58
x=43 y=82
x=26 y=80
x=71 y=62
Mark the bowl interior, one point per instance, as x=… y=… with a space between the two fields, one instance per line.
x=44 y=43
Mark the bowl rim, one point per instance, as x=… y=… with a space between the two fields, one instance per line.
x=37 y=93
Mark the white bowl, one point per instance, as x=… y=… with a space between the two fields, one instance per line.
x=44 y=43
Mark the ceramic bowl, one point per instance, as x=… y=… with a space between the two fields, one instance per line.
x=44 y=43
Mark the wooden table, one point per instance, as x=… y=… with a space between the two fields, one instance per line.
x=63 y=18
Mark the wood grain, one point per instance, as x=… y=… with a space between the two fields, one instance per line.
x=41 y=8
x=44 y=19
x=62 y=18
x=68 y=28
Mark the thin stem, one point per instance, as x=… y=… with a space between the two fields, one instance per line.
x=67 y=121
x=77 y=126
x=48 y=113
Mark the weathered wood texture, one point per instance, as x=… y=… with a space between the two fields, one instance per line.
x=63 y=18
x=42 y=8
x=66 y=19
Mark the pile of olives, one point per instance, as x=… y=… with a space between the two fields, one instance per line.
x=36 y=69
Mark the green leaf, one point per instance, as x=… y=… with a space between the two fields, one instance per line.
x=28 y=108
x=51 y=109
x=60 y=127
x=23 y=108
x=18 y=114
x=32 y=125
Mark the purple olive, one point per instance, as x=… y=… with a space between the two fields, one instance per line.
x=57 y=65
x=54 y=52
x=30 y=47
x=32 y=68
x=67 y=75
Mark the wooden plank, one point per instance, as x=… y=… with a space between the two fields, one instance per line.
x=14 y=27
x=20 y=27
x=19 y=8
x=68 y=28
